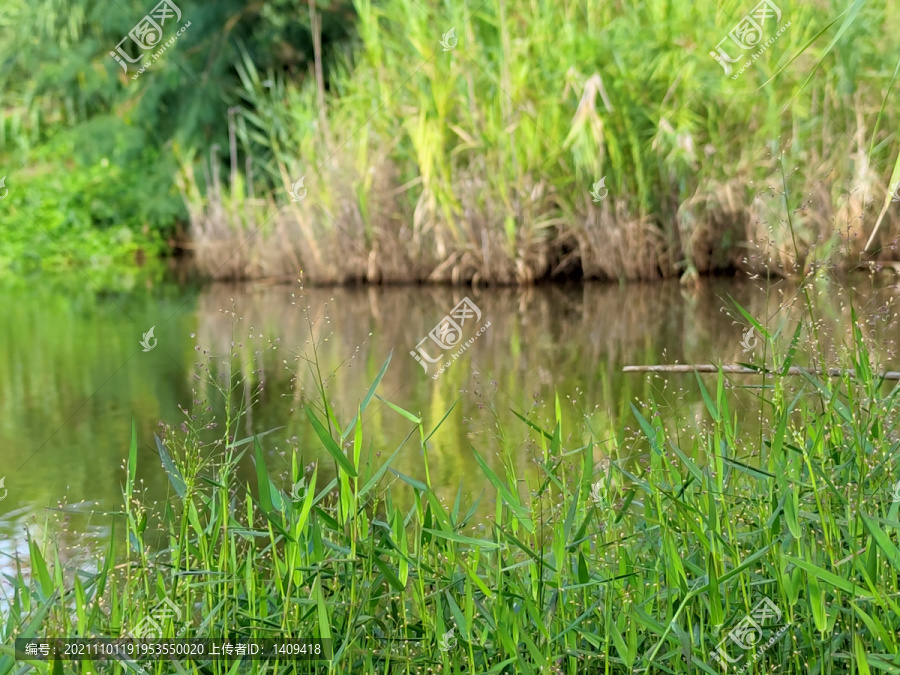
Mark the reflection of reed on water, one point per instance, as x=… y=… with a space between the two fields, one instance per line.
x=81 y=373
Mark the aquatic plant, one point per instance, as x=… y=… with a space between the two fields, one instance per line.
x=651 y=558
x=477 y=163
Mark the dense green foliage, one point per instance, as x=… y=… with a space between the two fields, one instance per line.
x=646 y=559
x=89 y=154
x=477 y=162
x=474 y=161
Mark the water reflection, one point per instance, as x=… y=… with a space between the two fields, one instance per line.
x=74 y=372
x=80 y=536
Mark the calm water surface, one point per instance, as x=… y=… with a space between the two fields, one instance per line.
x=73 y=374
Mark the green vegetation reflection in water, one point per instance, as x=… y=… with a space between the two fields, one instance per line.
x=76 y=368
x=580 y=567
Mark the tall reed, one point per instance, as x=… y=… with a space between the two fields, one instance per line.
x=477 y=163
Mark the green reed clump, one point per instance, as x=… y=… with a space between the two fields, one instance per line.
x=476 y=162
x=644 y=561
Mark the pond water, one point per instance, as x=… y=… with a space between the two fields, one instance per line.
x=73 y=373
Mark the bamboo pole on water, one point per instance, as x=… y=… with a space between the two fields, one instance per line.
x=732 y=369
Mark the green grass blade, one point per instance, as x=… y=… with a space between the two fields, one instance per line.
x=801 y=51
x=461 y=539
x=330 y=445
x=408 y=415
x=648 y=430
x=512 y=500
x=132 y=461
x=446 y=414
x=263 y=484
x=883 y=541
x=175 y=477
x=250 y=439
x=758 y=473
x=368 y=396
x=829 y=577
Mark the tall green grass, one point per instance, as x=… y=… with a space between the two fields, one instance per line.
x=476 y=164
x=643 y=562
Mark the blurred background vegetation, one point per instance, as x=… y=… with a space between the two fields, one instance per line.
x=89 y=154
x=468 y=164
